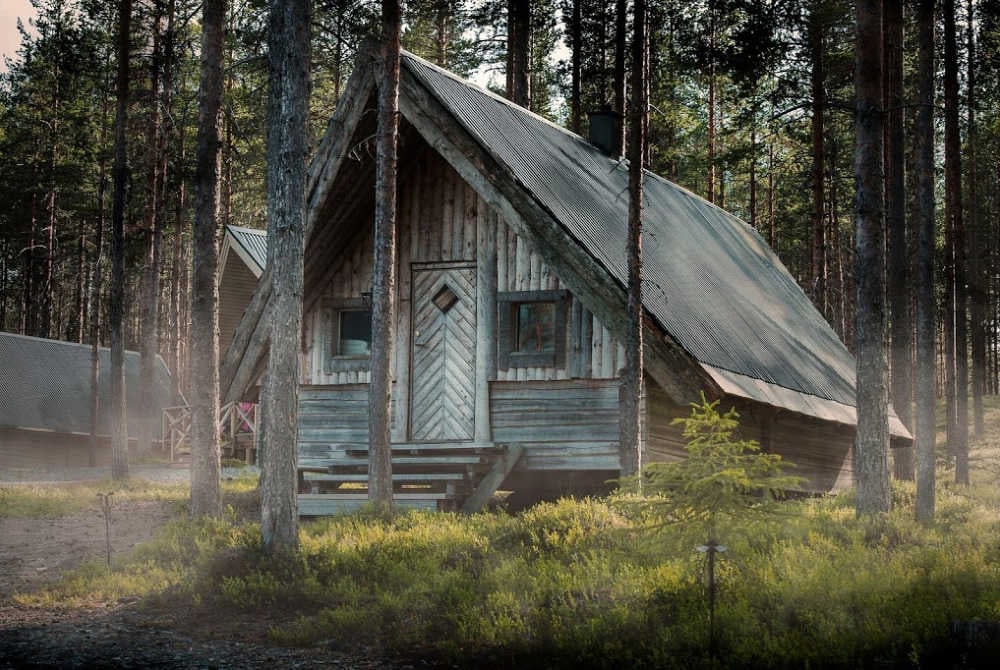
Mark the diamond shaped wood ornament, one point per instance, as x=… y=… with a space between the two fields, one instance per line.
x=445 y=299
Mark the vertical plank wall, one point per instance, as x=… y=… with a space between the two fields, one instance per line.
x=438 y=214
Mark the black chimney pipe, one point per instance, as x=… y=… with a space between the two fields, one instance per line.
x=605 y=131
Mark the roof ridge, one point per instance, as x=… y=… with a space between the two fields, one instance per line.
x=79 y=345
x=499 y=98
x=245 y=229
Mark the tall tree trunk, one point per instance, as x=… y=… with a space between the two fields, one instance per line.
x=621 y=39
x=898 y=261
x=772 y=237
x=926 y=429
x=872 y=444
x=178 y=296
x=630 y=448
x=818 y=87
x=206 y=493
x=384 y=278
x=711 y=106
x=76 y=325
x=48 y=306
x=753 y=160
x=116 y=413
x=977 y=289
x=150 y=326
x=287 y=149
x=29 y=305
x=518 y=47
x=576 y=35
x=957 y=350
x=94 y=294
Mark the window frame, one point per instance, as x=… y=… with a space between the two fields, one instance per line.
x=508 y=356
x=335 y=361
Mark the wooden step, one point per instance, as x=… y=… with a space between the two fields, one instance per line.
x=322 y=504
x=396 y=476
x=358 y=461
x=427 y=447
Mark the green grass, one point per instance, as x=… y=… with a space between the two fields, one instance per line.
x=47 y=500
x=593 y=583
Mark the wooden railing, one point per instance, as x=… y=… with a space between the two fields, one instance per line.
x=238 y=425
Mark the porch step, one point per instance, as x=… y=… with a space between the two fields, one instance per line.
x=442 y=475
x=323 y=504
x=336 y=462
x=396 y=477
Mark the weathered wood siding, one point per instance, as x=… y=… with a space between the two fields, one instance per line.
x=330 y=418
x=562 y=424
x=820 y=450
x=351 y=279
x=592 y=352
x=235 y=291
x=440 y=217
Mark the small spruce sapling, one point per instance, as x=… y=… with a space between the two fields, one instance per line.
x=724 y=479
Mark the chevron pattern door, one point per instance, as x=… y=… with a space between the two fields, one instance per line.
x=442 y=393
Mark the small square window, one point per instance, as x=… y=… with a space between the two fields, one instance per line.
x=355 y=333
x=532 y=329
x=348 y=335
x=536 y=323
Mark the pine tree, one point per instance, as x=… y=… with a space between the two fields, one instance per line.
x=872 y=442
x=206 y=494
x=287 y=146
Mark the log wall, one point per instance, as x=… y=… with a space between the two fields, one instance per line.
x=820 y=451
x=562 y=424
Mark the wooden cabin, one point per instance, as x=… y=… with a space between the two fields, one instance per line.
x=511 y=310
x=242 y=258
x=45 y=401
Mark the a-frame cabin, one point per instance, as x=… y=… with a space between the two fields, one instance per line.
x=511 y=312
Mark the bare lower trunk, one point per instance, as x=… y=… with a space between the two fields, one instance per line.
x=94 y=298
x=287 y=138
x=575 y=60
x=621 y=23
x=518 y=56
x=150 y=326
x=898 y=277
x=818 y=86
x=924 y=148
x=206 y=494
x=631 y=393
x=116 y=413
x=956 y=350
x=977 y=290
x=872 y=443
x=384 y=281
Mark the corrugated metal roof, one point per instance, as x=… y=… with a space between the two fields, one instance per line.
x=708 y=278
x=45 y=384
x=254 y=242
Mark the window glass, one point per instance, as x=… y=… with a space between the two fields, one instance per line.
x=355 y=333
x=536 y=327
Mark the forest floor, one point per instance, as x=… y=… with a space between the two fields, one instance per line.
x=39 y=546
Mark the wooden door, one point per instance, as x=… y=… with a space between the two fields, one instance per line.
x=443 y=376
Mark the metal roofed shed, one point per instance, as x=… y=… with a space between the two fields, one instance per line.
x=45 y=399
